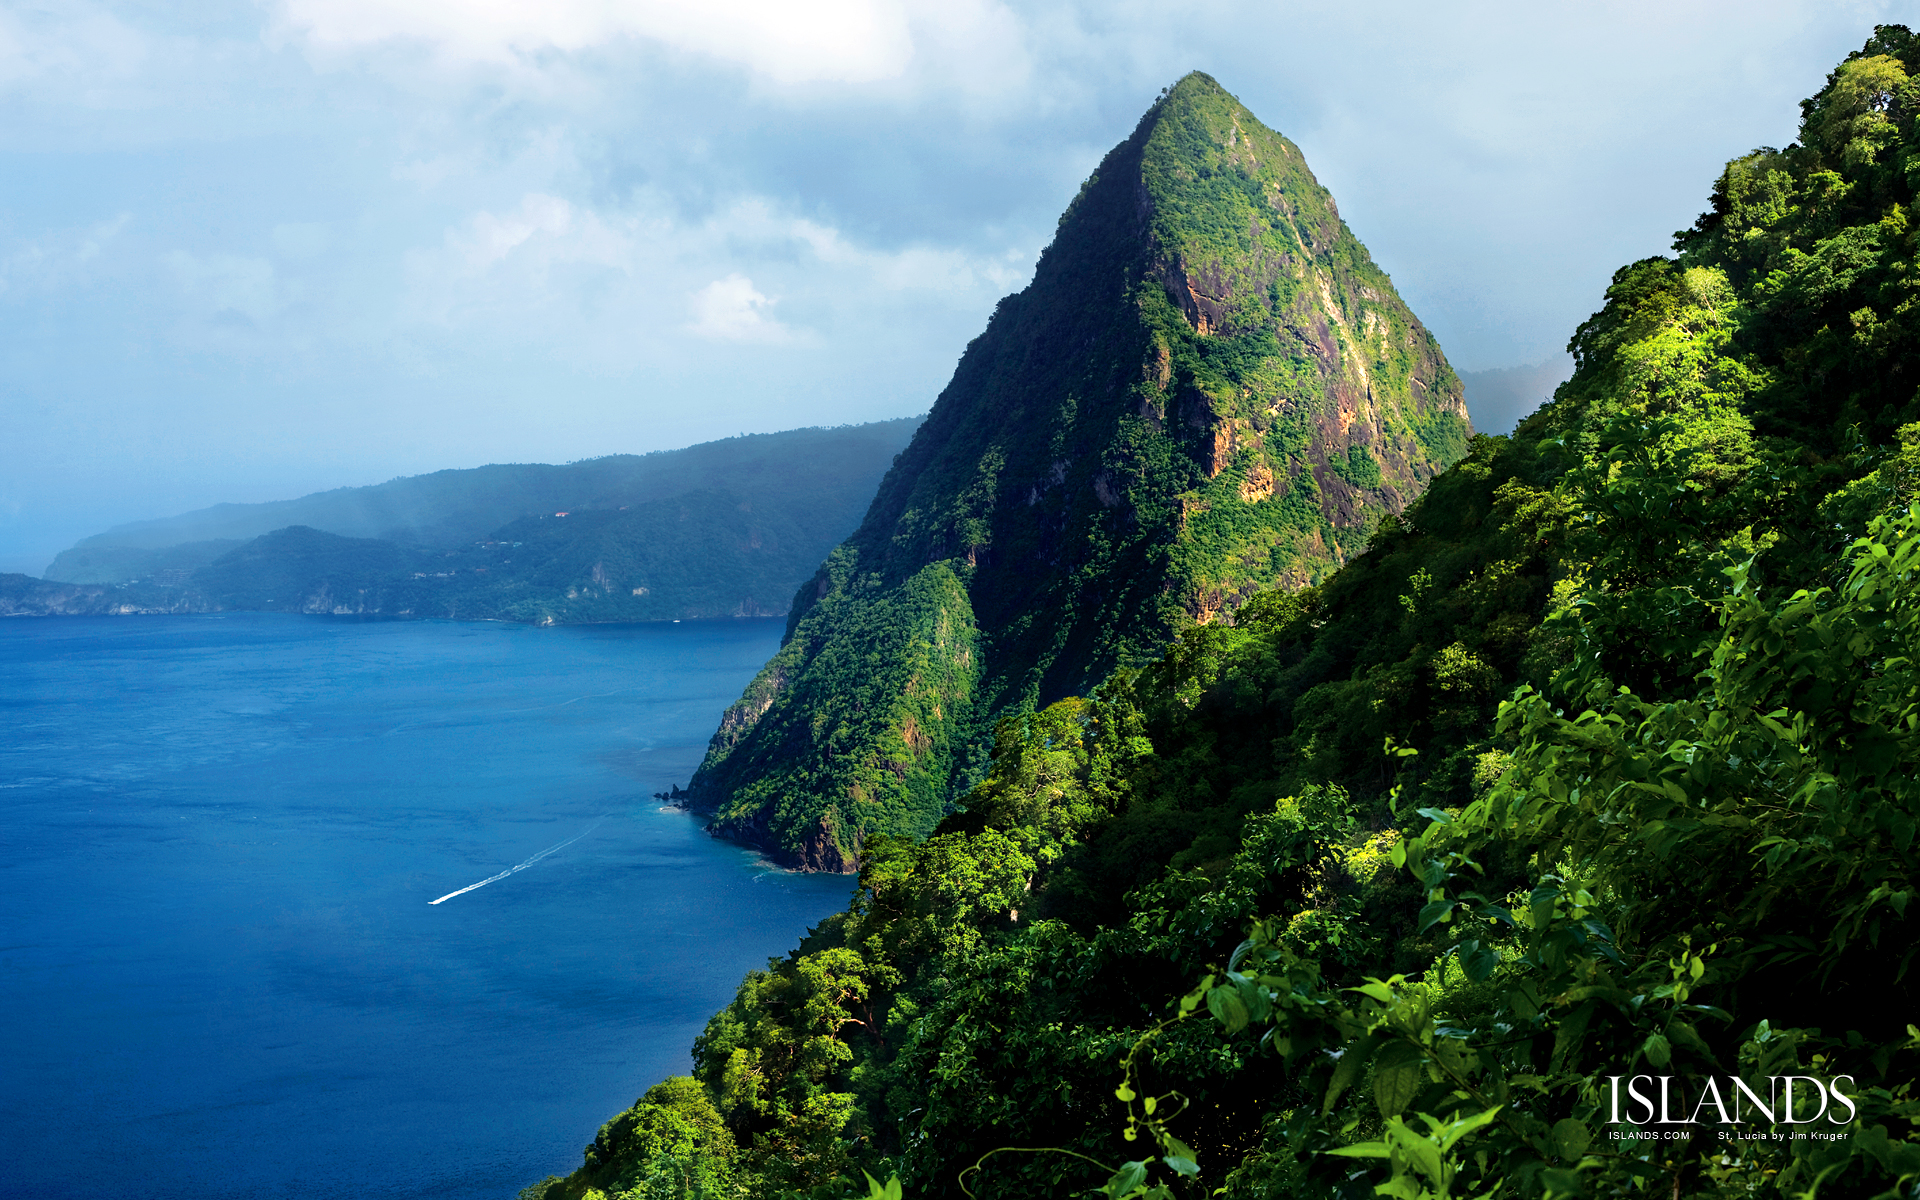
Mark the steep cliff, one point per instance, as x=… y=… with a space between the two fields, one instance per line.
x=25 y=596
x=1209 y=389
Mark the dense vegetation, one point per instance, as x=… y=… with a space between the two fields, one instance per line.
x=1208 y=389
x=723 y=529
x=25 y=596
x=1601 y=762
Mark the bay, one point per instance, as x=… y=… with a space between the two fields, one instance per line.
x=221 y=970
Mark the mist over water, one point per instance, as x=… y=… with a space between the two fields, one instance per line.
x=223 y=970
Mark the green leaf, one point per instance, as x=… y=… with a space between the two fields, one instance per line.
x=1128 y=1177
x=1481 y=965
x=1438 y=911
x=1183 y=1166
x=1228 y=1008
x=1571 y=1139
x=1467 y=1125
x=1425 y=1154
x=1377 y=989
x=1352 y=1062
x=1192 y=999
x=1364 y=1150
x=1397 y=1078
x=1685 y=1035
x=1658 y=1050
x=1572 y=1028
x=1899 y=1157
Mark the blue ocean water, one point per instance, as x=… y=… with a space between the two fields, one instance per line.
x=220 y=970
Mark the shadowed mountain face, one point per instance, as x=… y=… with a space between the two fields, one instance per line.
x=799 y=469
x=722 y=529
x=1209 y=389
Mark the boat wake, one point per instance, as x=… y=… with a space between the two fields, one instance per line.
x=518 y=866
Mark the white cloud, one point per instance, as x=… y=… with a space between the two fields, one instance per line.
x=99 y=236
x=789 y=41
x=228 y=288
x=543 y=264
x=82 y=52
x=912 y=268
x=488 y=239
x=301 y=241
x=75 y=61
x=617 y=286
x=60 y=258
x=733 y=310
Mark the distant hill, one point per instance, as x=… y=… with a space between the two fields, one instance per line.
x=25 y=596
x=93 y=561
x=449 y=508
x=722 y=529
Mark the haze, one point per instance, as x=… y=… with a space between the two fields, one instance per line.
x=253 y=250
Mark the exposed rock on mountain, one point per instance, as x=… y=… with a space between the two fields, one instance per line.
x=1209 y=389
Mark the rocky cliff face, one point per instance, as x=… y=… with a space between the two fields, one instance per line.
x=25 y=596
x=1208 y=389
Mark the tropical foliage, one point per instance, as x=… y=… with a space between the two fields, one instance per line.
x=1599 y=764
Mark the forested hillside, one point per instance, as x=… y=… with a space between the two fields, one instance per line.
x=722 y=529
x=1600 y=763
x=1208 y=389
x=25 y=596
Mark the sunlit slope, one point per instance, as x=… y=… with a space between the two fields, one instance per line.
x=1208 y=389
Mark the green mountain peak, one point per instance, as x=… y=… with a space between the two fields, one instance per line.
x=1209 y=389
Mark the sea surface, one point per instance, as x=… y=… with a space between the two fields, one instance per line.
x=223 y=972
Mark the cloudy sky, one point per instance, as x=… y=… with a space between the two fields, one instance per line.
x=258 y=248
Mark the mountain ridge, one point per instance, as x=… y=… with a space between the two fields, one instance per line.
x=719 y=530
x=462 y=504
x=1208 y=389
